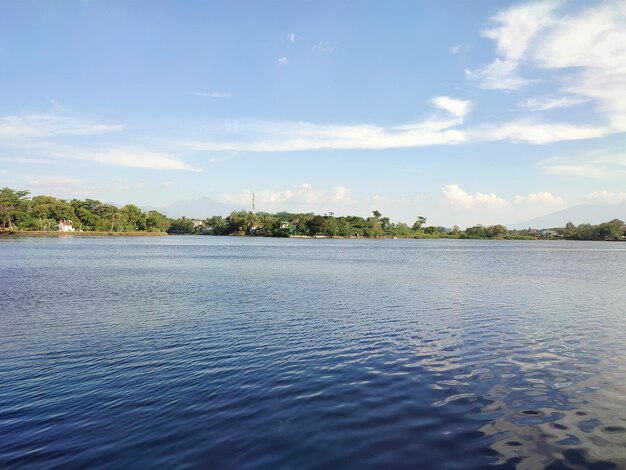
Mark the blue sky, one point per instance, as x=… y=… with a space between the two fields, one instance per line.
x=464 y=112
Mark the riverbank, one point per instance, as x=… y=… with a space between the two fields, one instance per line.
x=16 y=233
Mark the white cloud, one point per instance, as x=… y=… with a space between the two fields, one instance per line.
x=322 y=47
x=281 y=136
x=60 y=186
x=214 y=94
x=283 y=60
x=469 y=209
x=132 y=157
x=591 y=45
x=120 y=156
x=457 y=48
x=33 y=161
x=285 y=136
x=542 y=198
x=585 y=170
x=545 y=104
x=607 y=196
x=498 y=75
x=458 y=108
x=516 y=27
x=585 y=47
x=513 y=32
x=299 y=196
x=456 y=197
x=533 y=132
x=33 y=126
x=292 y=38
x=597 y=165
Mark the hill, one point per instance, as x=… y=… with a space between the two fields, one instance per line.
x=580 y=214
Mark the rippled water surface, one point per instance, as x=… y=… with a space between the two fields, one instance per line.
x=206 y=352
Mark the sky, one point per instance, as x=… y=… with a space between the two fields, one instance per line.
x=461 y=112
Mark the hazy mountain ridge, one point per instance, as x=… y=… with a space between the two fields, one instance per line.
x=596 y=213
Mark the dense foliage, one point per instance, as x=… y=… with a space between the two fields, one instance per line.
x=19 y=212
x=41 y=213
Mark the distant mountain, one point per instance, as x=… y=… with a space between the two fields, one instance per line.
x=581 y=214
x=197 y=208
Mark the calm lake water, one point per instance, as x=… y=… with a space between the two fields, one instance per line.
x=202 y=352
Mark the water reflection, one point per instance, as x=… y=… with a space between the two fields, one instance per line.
x=199 y=351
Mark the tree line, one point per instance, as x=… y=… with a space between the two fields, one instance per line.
x=19 y=211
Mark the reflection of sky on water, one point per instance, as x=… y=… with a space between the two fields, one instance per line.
x=545 y=354
x=468 y=351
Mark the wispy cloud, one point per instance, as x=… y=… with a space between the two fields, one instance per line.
x=498 y=75
x=214 y=94
x=132 y=157
x=535 y=132
x=546 y=104
x=611 y=197
x=35 y=126
x=323 y=47
x=29 y=139
x=283 y=60
x=60 y=186
x=513 y=31
x=585 y=47
x=458 y=48
x=115 y=155
x=282 y=136
x=597 y=164
x=286 y=136
x=32 y=161
x=542 y=198
x=292 y=38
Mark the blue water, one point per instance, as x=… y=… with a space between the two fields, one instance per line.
x=202 y=352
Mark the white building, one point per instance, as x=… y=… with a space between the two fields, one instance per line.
x=64 y=226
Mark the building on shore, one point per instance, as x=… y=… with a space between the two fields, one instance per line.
x=64 y=226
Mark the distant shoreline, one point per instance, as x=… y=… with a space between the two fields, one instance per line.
x=16 y=233
x=51 y=234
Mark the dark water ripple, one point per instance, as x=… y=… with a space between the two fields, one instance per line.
x=199 y=352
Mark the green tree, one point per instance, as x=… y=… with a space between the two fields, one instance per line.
x=12 y=205
x=109 y=217
x=240 y=221
x=216 y=225
x=134 y=217
x=182 y=226
x=316 y=225
x=417 y=226
x=157 y=222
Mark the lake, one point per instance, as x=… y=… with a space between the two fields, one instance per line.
x=223 y=352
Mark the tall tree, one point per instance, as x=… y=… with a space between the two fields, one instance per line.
x=417 y=226
x=11 y=203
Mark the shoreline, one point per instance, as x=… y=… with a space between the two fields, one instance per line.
x=50 y=234
x=35 y=233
